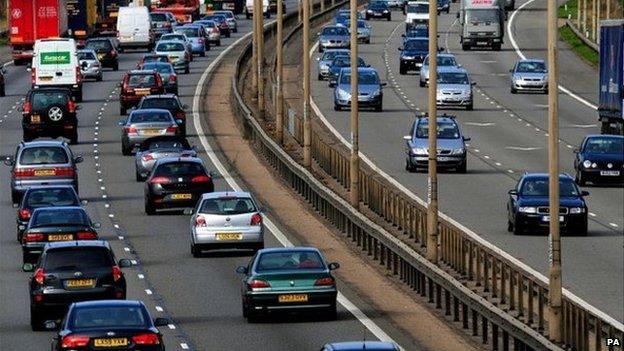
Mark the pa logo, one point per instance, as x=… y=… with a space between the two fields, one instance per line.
x=613 y=342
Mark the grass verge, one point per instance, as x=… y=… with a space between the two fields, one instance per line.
x=584 y=51
x=572 y=9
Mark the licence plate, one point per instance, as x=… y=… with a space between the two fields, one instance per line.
x=45 y=172
x=60 y=237
x=142 y=91
x=80 y=283
x=35 y=119
x=293 y=298
x=547 y=218
x=610 y=173
x=482 y=43
x=45 y=79
x=151 y=131
x=181 y=196
x=443 y=158
x=229 y=236
x=116 y=342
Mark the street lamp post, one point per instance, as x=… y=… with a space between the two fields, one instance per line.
x=432 y=180
x=354 y=164
x=260 y=40
x=254 y=51
x=279 y=103
x=307 y=133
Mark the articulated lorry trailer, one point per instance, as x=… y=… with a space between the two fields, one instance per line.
x=611 y=85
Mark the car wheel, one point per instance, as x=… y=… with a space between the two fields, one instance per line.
x=510 y=226
x=99 y=78
x=389 y=18
x=514 y=90
x=469 y=107
x=79 y=95
x=116 y=66
x=402 y=70
x=517 y=229
x=195 y=251
x=409 y=166
x=448 y=10
x=496 y=47
x=320 y=49
x=138 y=176
x=2 y=91
x=219 y=42
x=73 y=139
x=422 y=84
x=580 y=178
x=331 y=313
x=36 y=321
x=463 y=167
x=319 y=77
x=337 y=107
x=583 y=231
x=465 y=47
x=245 y=311
x=122 y=110
x=15 y=197
x=379 y=107
x=187 y=70
x=125 y=150
x=367 y=17
x=149 y=207
x=121 y=49
x=202 y=54
x=235 y=30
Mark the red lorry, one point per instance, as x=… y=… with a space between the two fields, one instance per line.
x=30 y=20
x=185 y=11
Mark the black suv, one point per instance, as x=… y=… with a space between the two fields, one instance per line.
x=105 y=50
x=73 y=271
x=50 y=112
x=528 y=205
x=169 y=102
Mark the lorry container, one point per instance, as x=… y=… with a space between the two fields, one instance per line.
x=106 y=22
x=611 y=80
x=30 y=20
x=185 y=11
x=81 y=16
x=482 y=23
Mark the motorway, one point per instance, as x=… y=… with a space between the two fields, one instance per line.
x=200 y=295
x=508 y=137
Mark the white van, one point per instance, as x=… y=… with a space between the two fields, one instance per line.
x=134 y=28
x=55 y=63
x=249 y=7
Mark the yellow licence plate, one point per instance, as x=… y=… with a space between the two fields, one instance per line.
x=35 y=119
x=142 y=91
x=80 y=283
x=45 y=172
x=116 y=342
x=293 y=298
x=151 y=131
x=60 y=237
x=45 y=79
x=181 y=196
x=229 y=236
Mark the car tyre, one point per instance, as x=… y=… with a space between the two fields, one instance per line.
x=368 y=41
x=99 y=78
x=389 y=18
x=138 y=176
x=422 y=84
x=219 y=42
x=465 y=47
x=319 y=77
x=187 y=70
x=470 y=107
x=202 y=54
x=402 y=70
x=320 y=49
x=149 y=207
x=517 y=229
x=463 y=168
x=73 y=138
x=580 y=178
x=409 y=166
x=2 y=91
x=331 y=313
x=125 y=150
x=196 y=252
x=337 y=107
x=36 y=321
x=15 y=197
x=510 y=226
x=379 y=107
x=496 y=47
x=116 y=66
x=122 y=110
x=514 y=90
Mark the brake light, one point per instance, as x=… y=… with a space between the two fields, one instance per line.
x=167 y=25
x=33 y=237
x=27 y=107
x=173 y=78
x=24 y=214
x=200 y=221
x=258 y=284
x=130 y=130
x=215 y=30
x=327 y=281
x=147 y=157
x=159 y=81
x=146 y=339
x=113 y=53
x=200 y=179
x=172 y=129
x=117 y=273
x=39 y=276
x=160 y=180
x=78 y=75
x=256 y=219
x=64 y=172
x=33 y=75
x=200 y=40
x=24 y=172
x=73 y=341
x=86 y=235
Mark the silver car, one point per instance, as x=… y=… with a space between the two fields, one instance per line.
x=444 y=60
x=325 y=61
x=212 y=31
x=363 y=32
x=90 y=66
x=143 y=124
x=529 y=75
x=333 y=37
x=155 y=148
x=177 y=53
x=454 y=88
x=230 y=18
x=180 y=37
x=226 y=220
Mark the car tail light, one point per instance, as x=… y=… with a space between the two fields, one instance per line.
x=113 y=53
x=172 y=129
x=173 y=78
x=64 y=172
x=200 y=221
x=200 y=40
x=327 y=281
x=78 y=75
x=39 y=276
x=147 y=157
x=215 y=30
x=258 y=284
x=159 y=81
x=33 y=75
x=130 y=130
x=200 y=179
x=160 y=180
x=86 y=236
x=167 y=25
x=256 y=219
x=24 y=172
x=24 y=214
x=27 y=107
x=73 y=341
x=146 y=339
x=71 y=106
x=116 y=273
x=33 y=237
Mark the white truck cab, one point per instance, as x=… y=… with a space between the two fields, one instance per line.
x=416 y=12
x=249 y=7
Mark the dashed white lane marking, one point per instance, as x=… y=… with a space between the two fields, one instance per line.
x=592 y=214
x=479 y=124
x=489 y=61
x=134 y=262
x=510 y=170
x=148 y=291
x=126 y=249
x=520 y=148
x=171 y=326
x=486 y=157
x=583 y=125
x=613 y=225
x=158 y=308
x=498 y=164
x=140 y=276
x=477 y=150
x=184 y=345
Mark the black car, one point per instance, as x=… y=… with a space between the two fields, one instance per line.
x=169 y=102
x=43 y=196
x=105 y=50
x=416 y=31
x=2 y=81
x=110 y=325
x=176 y=183
x=153 y=149
x=50 y=112
x=72 y=271
x=600 y=159
x=378 y=9
x=413 y=53
x=528 y=205
x=50 y=224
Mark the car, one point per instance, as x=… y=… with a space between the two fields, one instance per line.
x=224 y=27
x=378 y=9
x=106 y=51
x=413 y=53
x=273 y=6
x=231 y=18
x=134 y=28
x=2 y=81
x=340 y=62
x=154 y=148
x=444 y=60
x=50 y=112
x=135 y=85
x=394 y=3
x=197 y=37
x=182 y=38
x=176 y=182
x=43 y=196
x=333 y=37
x=529 y=75
x=600 y=159
x=226 y=220
x=169 y=102
x=452 y=152
x=342 y=18
x=56 y=65
x=90 y=67
x=52 y=224
x=444 y=6
x=143 y=124
x=179 y=57
x=416 y=31
x=213 y=33
x=167 y=74
x=363 y=32
x=110 y=324
x=72 y=271
x=249 y=8
x=369 y=89
x=312 y=285
x=454 y=88
x=416 y=12
x=326 y=59
x=162 y=23
x=528 y=205
x=42 y=162
x=361 y=346
x=146 y=58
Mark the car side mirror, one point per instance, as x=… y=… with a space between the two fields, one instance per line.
x=402 y=35
x=97 y=225
x=511 y=70
x=467 y=138
x=28 y=267
x=333 y=266
x=513 y=192
x=124 y=263
x=78 y=159
x=400 y=49
x=188 y=211
x=241 y=270
x=407 y=137
x=383 y=84
x=9 y=161
x=584 y=193
x=473 y=83
x=161 y=322
x=185 y=107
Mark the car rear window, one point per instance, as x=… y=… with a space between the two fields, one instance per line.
x=160 y=68
x=86 y=55
x=179 y=169
x=165 y=103
x=50 y=197
x=59 y=216
x=189 y=32
x=77 y=258
x=170 y=46
x=99 y=45
x=227 y=206
x=278 y=261
x=173 y=37
x=43 y=155
x=225 y=13
x=45 y=99
x=108 y=317
x=150 y=117
x=335 y=31
x=142 y=80
x=158 y=17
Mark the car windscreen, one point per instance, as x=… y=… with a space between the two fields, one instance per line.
x=108 y=317
x=164 y=103
x=418 y=8
x=605 y=146
x=160 y=68
x=44 y=99
x=378 y=5
x=539 y=187
x=289 y=260
x=365 y=78
x=452 y=78
x=86 y=55
x=443 y=61
x=59 y=217
x=420 y=45
x=99 y=45
x=531 y=67
x=142 y=80
x=171 y=46
x=50 y=197
x=481 y=16
x=179 y=169
x=227 y=206
x=150 y=117
x=207 y=24
x=330 y=55
x=158 y=17
x=446 y=130
x=77 y=258
x=41 y=155
x=189 y=32
x=335 y=31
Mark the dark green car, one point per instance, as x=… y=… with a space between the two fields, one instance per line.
x=292 y=278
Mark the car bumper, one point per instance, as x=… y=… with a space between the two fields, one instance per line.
x=571 y=222
x=269 y=301
x=208 y=236
x=453 y=101
x=342 y=45
x=530 y=86
x=180 y=64
x=133 y=44
x=377 y=15
x=604 y=175
x=362 y=102
x=214 y=37
x=22 y=185
x=198 y=48
x=443 y=161
x=489 y=41
x=51 y=130
x=412 y=64
x=163 y=199
x=56 y=301
x=92 y=72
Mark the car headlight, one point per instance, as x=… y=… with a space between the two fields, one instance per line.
x=527 y=209
x=385 y=11
x=409 y=57
x=459 y=151
x=587 y=163
x=376 y=93
x=343 y=95
x=324 y=67
x=369 y=11
x=419 y=151
x=576 y=210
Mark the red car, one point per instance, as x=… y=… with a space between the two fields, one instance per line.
x=135 y=85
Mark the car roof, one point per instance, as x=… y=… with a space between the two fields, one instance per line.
x=218 y=194
x=160 y=96
x=85 y=50
x=77 y=243
x=608 y=136
x=153 y=54
x=444 y=54
x=443 y=118
x=99 y=39
x=80 y=208
x=338 y=50
x=150 y=110
x=452 y=69
x=362 y=345
x=111 y=303
x=417 y=39
x=141 y=71
x=332 y=26
x=360 y=70
x=44 y=89
x=531 y=60
x=178 y=159
x=288 y=249
x=168 y=42
x=538 y=175
x=37 y=143
x=49 y=186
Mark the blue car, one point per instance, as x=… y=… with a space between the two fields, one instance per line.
x=600 y=159
x=416 y=31
x=378 y=9
x=444 y=6
x=361 y=346
x=344 y=16
x=197 y=36
x=528 y=205
x=413 y=53
x=369 y=89
x=340 y=62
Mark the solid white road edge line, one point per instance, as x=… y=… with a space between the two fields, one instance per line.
x=279 y=235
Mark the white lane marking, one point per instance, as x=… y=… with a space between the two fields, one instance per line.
x=486 y=157
x=141 y=276
x=488 y=61
x=510 y=170
x=613 y=225
x=520 y=148
x=184 y=345
x=512 y=40
x=148 y=291
x=479 y=124
x=592 y=214
x=583 y=125
x=279 y=235
x=498 y=164
x=158 y=308
x=541 y=105
x=171 y=326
